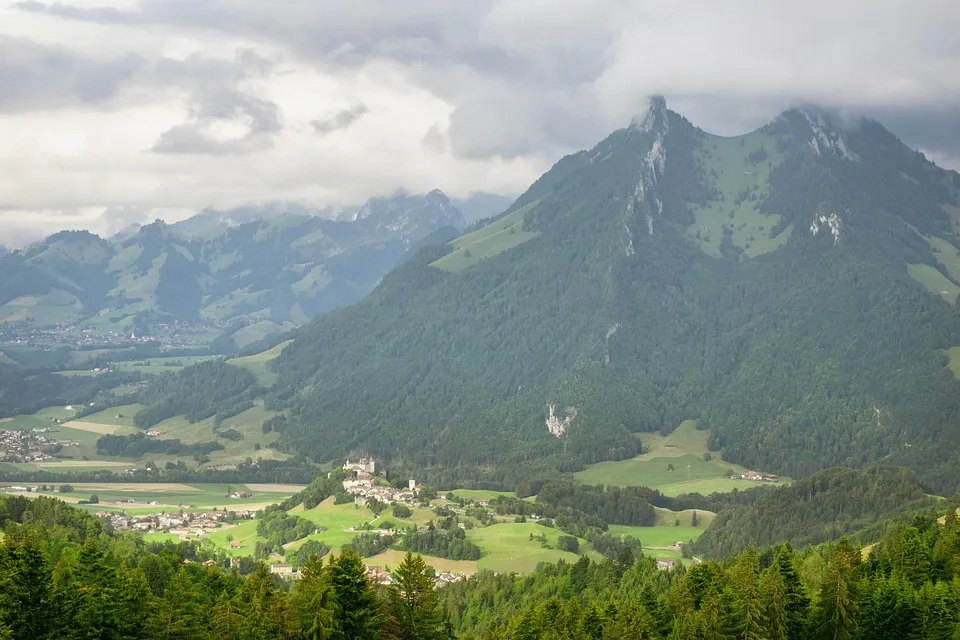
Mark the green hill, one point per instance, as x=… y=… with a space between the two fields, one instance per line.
x=590 y=312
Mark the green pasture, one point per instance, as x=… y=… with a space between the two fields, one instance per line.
x=934 y=281
x=497 y=237
x=259 y=363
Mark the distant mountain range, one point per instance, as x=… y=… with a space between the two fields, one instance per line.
x=260 y=270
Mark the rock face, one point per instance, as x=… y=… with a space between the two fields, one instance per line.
x=558 y=426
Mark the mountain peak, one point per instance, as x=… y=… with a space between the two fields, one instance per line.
x=825 y=130
x=655 y=116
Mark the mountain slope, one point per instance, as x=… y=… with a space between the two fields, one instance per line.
x=799 y=338
x=269 y=268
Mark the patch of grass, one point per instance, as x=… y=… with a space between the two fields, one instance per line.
x=934 y=281
x=159 y=365
x=259 y=363
x=947 y=255
x=244 y=532
x=480 y=494
x=508 y=548
x=392 y=557
x=953 y=354
x=336 y=519
x=727 y=163
x=497 y=237
x=121 y=416
x=673 y=464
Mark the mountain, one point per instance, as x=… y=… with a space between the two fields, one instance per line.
x=480 y=205
x=791 y=289
x=244 y=270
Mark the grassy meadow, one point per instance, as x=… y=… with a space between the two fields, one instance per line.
x=934 y=281
x=673 y=464
x=497 y=237
x=259 y=363
x=728 y=161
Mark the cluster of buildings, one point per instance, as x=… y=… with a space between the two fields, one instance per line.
x=364 y=486
x=26 y=446
x=176 y=334
x=379 y=575
x=759 y=477
x=184 y=524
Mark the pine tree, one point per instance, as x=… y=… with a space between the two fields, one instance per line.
x=356 y=610
x=228 y=621
x=797 y=601
x=180 y=614
x=136 y=602
x=414 y=607
x=746 y=596
x=838 y=616
x=24 y=588
x=97 y=612
x=774 y=590
x=313 y=600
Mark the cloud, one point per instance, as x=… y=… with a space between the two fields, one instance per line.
x=482 y=95
x=33 y=76
x=341 y=120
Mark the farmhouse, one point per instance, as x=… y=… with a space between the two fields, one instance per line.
x=664 y=564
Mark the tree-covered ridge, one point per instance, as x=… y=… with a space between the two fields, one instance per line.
x=815 y=510
x=196 y=392
x=821 y=353
x=908 y=587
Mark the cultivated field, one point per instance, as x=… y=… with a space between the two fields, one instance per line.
x=497 y=237
x=392 y=557
x=170 y=496
x=673 y=464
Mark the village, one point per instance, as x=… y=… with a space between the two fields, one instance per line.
x=26 y=446
x=364 y=487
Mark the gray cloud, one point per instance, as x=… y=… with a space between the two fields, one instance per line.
x=539 y=76
x=35 y=76
x=341 y=120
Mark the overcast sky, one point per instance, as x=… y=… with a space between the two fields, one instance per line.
x=115 y=111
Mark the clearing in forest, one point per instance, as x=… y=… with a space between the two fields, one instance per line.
x=739 y=168
x=673 y=464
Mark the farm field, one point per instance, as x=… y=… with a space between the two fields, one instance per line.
x=673 y=464
x=170 y=496
x=508 y=548
x=497 y=237
x=335 y=519
x=259 y=363
x=160 y=365
x=392 y=557
x=249 y=424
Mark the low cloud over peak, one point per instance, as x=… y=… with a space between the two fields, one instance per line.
x=177 y=105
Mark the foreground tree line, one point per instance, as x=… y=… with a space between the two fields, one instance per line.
x=63 y=576
x=907 y=587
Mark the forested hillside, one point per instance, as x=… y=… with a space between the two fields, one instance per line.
x=761 y=285
x=818 y=509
